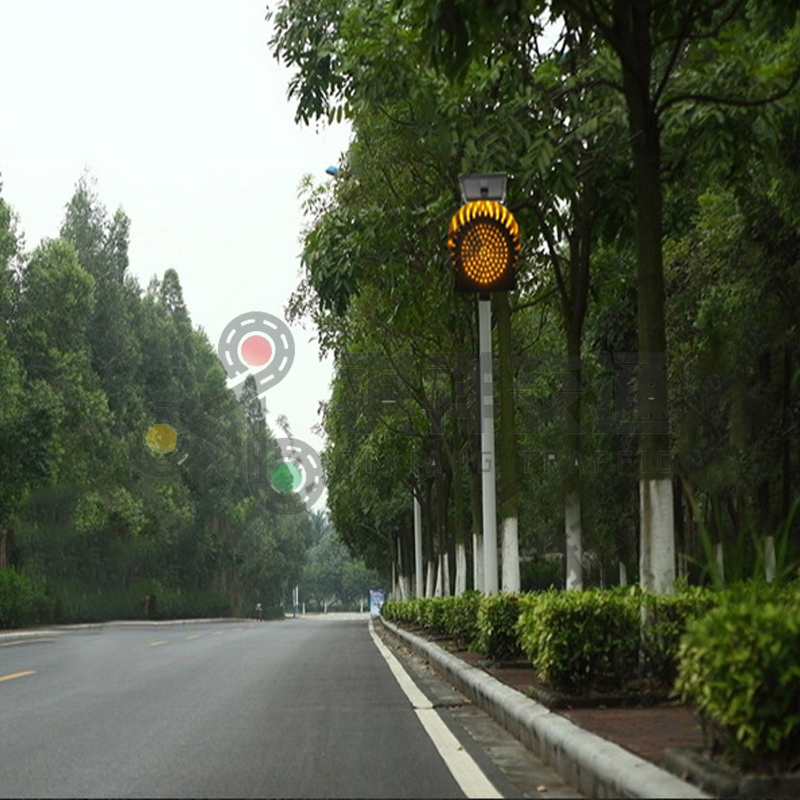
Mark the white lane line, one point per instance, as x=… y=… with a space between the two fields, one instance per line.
x=469 y=776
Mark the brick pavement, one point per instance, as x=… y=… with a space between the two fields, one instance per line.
x=645 y=731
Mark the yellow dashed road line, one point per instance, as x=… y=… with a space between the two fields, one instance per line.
x=17 y=675
x=155 y=644
x=193 y=636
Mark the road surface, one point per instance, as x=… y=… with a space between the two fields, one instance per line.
x=305 y=707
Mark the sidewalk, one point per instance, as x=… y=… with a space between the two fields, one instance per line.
x=646 y=732
x=604 y=752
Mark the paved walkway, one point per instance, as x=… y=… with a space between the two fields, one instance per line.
x=646 y=732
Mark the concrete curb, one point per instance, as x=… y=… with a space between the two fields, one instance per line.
x=12 y=637
x=595 y=766
x=26 y=636
x=150 y=623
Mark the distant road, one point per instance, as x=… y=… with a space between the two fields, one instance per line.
x=299 y=708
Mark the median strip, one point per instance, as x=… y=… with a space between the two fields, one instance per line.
x=17 y=675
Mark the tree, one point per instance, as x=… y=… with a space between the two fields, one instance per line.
x=101 y=245
x=657 y=46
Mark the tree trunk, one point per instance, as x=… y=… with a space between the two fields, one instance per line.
x=430 y=584
x=574 y=543
x=769 y=558
x=786 y=439
x=461 y=568
x=477 y=531
x=5 y=542
x=657 y=535
x=573 y=447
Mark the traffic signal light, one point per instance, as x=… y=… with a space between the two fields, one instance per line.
x=483 y=239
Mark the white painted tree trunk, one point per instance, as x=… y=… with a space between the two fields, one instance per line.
x=477 y=561
x=657 y=536
x=461 y=568
x=437 y=592
x=769 y=558
x=430 y=584
x=446 y=574
x=623 y=574
x=509 y=536
x=719 y=555
x=418 y=562
x=572 y=524
x=401 y=578
x=404 y=589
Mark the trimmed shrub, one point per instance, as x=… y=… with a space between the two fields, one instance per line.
x=390 y=609
x=433 y=613
x=462 y=617
x=582 y=641
x=498 y=615
x=596 y=640
x=739 y=665
x=665 y=619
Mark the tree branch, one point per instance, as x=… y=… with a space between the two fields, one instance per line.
x=738 y=102
x=680 y=40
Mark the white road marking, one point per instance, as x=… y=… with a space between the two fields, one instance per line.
x=469 y=776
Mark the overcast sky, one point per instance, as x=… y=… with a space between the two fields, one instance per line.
x=179 y=111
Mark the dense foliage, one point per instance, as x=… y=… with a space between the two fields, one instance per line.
x=87 y=531
x=740 y=667
x=332 y=580
x=653 y=334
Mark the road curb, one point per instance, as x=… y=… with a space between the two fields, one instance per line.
x=12 y=637
x=595 y=766
x=151 y=623
x=27 y=636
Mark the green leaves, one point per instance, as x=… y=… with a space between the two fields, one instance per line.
x=497 y=626
x=740 y=667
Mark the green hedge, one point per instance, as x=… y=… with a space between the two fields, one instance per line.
x=667 y=618
x=453 y=616
x=74 y=604
x=581 y=641
x=432 y=613
x=736 y=653
x=739 y=665
x=497 y=637
x=594 y=640
x=462 y=619
x=23 y=600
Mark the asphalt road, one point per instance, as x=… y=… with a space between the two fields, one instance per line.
x=296 y=708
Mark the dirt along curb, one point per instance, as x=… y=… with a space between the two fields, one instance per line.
x=595 y=766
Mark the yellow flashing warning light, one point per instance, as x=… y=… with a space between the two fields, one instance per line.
x=484 y=241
